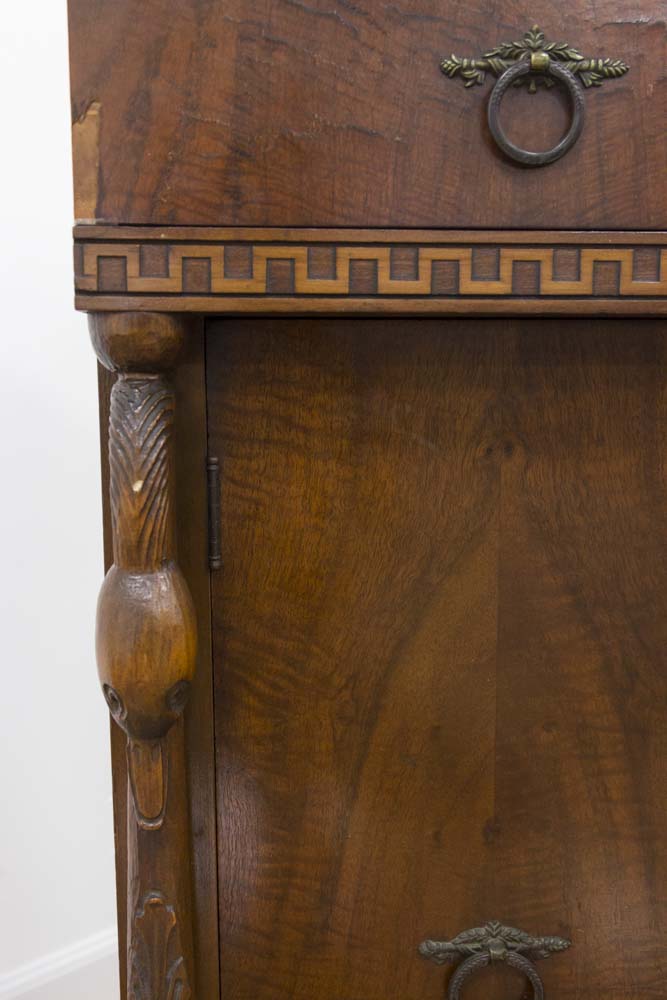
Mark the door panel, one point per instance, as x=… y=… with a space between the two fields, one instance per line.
x=439 y=639
x=582 y=689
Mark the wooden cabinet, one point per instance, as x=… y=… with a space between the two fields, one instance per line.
x=383 y=410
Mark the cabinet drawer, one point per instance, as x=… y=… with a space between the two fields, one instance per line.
x=282 y=113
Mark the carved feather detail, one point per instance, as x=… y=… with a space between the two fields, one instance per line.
x=157 y=968
x=140 y=423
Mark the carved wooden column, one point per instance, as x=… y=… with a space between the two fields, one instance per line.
x=146 y=638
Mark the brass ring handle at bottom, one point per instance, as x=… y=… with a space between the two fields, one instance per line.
x=481 y=961
x=508 y=79
x=494 y=942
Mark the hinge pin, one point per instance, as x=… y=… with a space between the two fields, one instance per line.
x=214 y=545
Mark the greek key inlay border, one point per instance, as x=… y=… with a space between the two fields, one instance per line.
x=222 y=266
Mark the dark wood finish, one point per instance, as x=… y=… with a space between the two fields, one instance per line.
x=581 y=765
x=190 y=456
x=190 y=444
x=444 y=307
x=286 y=113
x=146 y=651
x=440 y=635
x=431 y=691
x=156 y=236
x=118 y=740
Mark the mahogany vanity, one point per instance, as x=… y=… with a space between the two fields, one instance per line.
x=384 y=396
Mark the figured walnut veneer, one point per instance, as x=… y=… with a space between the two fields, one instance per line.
x=310 y=112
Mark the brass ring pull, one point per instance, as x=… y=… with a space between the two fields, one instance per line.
x=534 y=62
x=477 y=962
x=493 y=942
x=522 y=68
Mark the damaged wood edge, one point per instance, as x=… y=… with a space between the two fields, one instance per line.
x=86 y=162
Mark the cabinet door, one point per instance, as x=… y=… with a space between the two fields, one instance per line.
x=439 y=652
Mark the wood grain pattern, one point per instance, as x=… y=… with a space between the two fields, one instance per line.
x=355 y=613
x=156 y=235
x=190 y=451
x=282 y=112
x=582 y=644
x=440 y=626
x=276 y=305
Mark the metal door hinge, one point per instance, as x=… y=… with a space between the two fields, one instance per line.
x=213 y=480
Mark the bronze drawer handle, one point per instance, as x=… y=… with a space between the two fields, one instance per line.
x=535 y=62
x=477 y=962
x=493 y=942
x=520 y=69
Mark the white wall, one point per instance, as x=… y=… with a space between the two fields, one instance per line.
x=57 y=909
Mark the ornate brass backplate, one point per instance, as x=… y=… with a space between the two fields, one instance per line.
x=591 y=72
x=534 y=62
x=494 y=942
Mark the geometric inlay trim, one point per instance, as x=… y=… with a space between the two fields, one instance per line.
x=337 y=265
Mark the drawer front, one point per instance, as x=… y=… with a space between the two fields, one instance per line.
x=278 y=113
x=439 y=637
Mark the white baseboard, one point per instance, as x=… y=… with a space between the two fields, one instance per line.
x=86 y=969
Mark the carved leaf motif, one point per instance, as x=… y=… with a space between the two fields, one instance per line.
x=592 y=72
x=492 y=937
x=471 y=71
x=140 y=422
x=534 y=38
x=156 y=963
x=507 y=50
x=563 y=52
x=498 y=66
